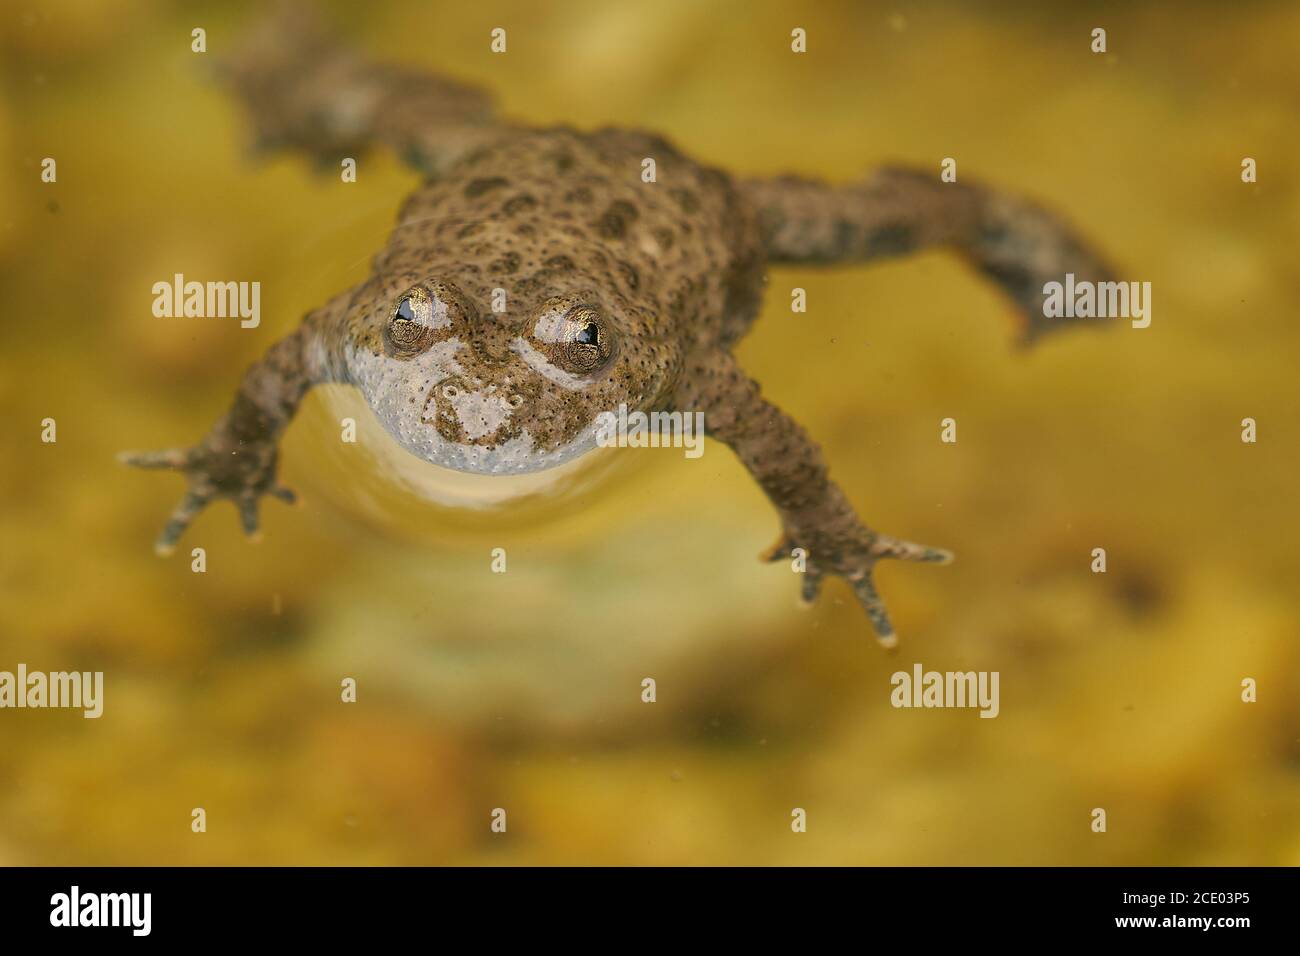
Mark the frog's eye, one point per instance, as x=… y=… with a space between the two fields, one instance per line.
x=587 y=344
x=415 y=322
x=580 y=341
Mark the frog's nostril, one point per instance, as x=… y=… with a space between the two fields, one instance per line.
x=450 y=391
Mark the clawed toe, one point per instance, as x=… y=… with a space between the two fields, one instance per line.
x=781 y=549
x=885 y=546
x=248 y=514
x=812 y=585
x=180 y=519
x=167 y=458
x=284 y=494
x=865 y=589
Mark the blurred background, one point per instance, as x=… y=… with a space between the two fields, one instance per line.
x=522 y=690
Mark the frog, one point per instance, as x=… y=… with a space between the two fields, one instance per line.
x=540 y=277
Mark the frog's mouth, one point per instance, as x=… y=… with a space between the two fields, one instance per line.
x=486 y=416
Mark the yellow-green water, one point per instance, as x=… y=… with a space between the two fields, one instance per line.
x=522 y=690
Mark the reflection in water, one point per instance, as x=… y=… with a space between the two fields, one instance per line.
x=390 y=469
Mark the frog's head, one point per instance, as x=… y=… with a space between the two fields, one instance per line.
x=517 y=391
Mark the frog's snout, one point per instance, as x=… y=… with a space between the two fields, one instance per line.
x=468 y=411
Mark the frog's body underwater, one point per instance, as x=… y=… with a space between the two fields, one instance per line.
x=619 y=288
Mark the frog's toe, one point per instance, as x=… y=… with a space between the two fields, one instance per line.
x=185 y=512
x=175 y=458
x=885 y=546
x=785 y=547
x=247 y=504
x=284 y=494
x=865 y=589
x=781 y=549
x=812 y=584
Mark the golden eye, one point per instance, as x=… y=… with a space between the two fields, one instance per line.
x=574 y=336
x=414 y=323
x=585 y=344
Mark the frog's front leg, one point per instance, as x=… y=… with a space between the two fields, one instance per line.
x=815 y=514
x=237 y=458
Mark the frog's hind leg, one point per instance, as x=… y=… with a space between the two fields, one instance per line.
x=1019 y=245
x=307 y=91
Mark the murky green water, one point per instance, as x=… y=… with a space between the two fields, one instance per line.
x=480 y=690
